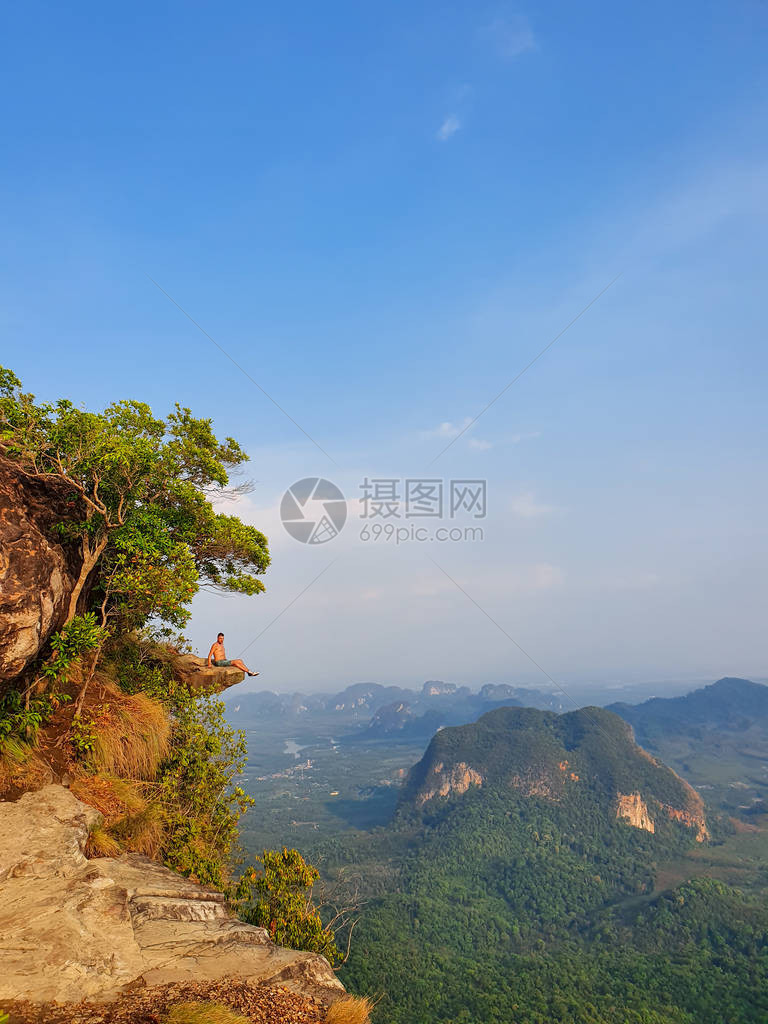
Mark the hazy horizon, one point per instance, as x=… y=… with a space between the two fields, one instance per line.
x=575 y=694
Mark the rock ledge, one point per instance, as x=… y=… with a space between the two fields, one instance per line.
x=74 y=929
x=198 y=678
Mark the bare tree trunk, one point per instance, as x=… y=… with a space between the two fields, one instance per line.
x=78 y=707
x=91 y=556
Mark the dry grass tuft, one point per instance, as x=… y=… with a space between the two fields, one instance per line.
x=131 y=735
x=21 y=767
x=102 y=844
x=143 y=832
x=132 y=822
x=350 y=1010
x=112 y=796
x=204 y=1013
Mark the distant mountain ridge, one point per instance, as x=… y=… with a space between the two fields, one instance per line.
x=730 y=703
x=376 y=711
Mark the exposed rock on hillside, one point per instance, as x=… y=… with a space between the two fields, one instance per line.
x=437 y=688
x=199 y=678
x=37 y=573
x=73 y=929
x=632 y=808
x=446 y=781
x=693 y=817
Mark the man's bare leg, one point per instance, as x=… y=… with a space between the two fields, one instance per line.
x=239 y=663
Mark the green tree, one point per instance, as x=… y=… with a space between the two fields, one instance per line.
x=141 y=511
x=196 y=788
x=278 y=896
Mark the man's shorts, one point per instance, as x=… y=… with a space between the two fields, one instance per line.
x=222 y=664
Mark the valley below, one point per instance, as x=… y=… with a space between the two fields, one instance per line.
x=502 y=898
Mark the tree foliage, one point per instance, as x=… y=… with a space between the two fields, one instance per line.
x=141 y=509
x=197 y=789
x=141 y=514
x=278 y=896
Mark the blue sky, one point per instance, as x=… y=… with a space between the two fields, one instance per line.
x=383 y=212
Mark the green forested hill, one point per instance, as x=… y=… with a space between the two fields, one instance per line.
x=524 y=898
x=523 y=746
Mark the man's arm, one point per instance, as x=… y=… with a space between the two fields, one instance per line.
x=210 y=654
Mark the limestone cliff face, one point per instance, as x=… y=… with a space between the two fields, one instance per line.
x=632 y=808
x=540 y=781
x=73 y=929
x=444 y=781
x=37 y=573
x=693 y=818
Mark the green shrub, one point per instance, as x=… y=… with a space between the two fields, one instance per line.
x=80 y=635
x=22 y=719
x=196 y=788
x=82 y=736
x=278 y=896
x=22 y=715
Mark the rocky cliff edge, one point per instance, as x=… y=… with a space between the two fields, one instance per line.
x=73 y=929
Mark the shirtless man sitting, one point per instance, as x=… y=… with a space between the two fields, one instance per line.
x=217 y=657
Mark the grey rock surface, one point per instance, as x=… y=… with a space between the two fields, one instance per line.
x=73 y=929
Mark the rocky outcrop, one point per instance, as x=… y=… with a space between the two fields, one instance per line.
x=691 y=819
x=449 y=781
x=72 y=928
x=633 y=809
x=37 y=573
x=194 y=672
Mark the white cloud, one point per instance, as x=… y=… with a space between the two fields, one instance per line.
x=511 y=36
x=517 y=438
x=448 y=430
x=451 y=124
x=527 y=507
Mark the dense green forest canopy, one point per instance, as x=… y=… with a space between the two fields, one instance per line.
x=512 y=907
